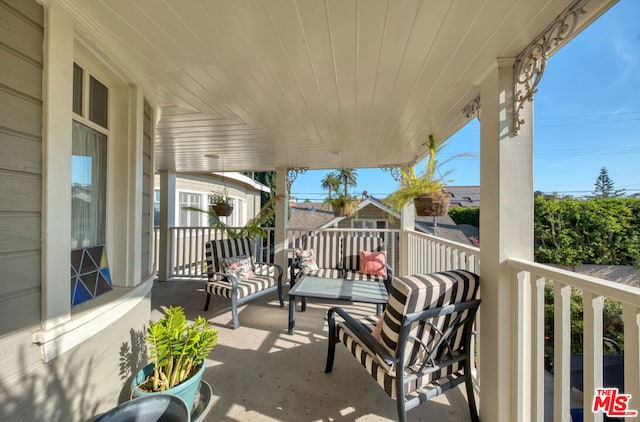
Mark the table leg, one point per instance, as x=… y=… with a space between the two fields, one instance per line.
x=292 y=314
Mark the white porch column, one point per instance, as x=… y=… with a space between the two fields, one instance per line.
x=57 y=89
x=282 y=212
x=506 y=231
x=407 y=222
x=167 y=219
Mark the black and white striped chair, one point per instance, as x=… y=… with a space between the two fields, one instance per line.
x=425 y=337
x=267 y=277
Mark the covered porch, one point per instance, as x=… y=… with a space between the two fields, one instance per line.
x=201 y=87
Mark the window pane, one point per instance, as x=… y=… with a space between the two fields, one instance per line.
x=77 y=89
x=98 y=102
x=89 y=187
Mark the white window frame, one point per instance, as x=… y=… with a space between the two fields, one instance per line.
x=199 y=217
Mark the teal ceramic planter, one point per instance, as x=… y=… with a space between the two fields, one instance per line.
x=186 y=391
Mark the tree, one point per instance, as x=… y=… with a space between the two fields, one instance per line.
x=604 y=186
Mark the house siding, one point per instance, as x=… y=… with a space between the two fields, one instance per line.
x=21 y=64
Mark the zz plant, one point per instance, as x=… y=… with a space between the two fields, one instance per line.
x=176 y=349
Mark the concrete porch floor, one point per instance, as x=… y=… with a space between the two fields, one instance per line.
x=260 y=373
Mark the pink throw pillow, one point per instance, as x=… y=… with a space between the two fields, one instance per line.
x=373 y=263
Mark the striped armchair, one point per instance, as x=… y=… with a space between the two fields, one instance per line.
x=266 y=278
x=425 y=336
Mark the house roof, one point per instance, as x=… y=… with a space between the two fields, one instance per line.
x=308 y=215
x=464 y=196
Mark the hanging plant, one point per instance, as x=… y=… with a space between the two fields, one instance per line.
x=220 y=204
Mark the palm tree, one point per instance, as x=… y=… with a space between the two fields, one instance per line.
x=348 y=179
x=331 y=182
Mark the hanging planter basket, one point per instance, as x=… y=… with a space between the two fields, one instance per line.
x=432 y=204
x=343 y=210
x=222 y=210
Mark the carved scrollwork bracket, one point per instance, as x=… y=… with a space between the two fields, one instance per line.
x=292 y=175
x=531 y=62
x=472 y=109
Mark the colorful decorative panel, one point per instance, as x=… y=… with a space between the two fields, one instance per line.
x=90 y=275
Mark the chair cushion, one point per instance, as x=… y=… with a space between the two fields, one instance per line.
x=415 y=293
x=358 y=276
x=246 y=287
x=322 y=272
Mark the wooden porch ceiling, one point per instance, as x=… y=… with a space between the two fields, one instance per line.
x=310 y=83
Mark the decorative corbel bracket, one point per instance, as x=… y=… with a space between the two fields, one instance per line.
x=472 y=109
x=531 y=62
x=292 y=175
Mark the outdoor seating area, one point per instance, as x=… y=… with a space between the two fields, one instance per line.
x=332 y=255
x=259 y=372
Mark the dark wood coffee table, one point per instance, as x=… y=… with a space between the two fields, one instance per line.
x=334 y=288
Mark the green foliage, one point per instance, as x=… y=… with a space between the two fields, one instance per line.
x=253 y=228
x=176 y=349
x=465 y=215
x=597 y=231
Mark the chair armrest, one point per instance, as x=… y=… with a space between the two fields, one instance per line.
x=358 y=330
x=228 y=277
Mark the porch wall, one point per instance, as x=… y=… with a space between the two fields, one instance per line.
x=21 y=58
x=87 y=381
x=90 y=378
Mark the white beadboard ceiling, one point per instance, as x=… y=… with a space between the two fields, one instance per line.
x=310 y=83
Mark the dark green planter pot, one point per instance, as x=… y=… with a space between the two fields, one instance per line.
x=186 y=391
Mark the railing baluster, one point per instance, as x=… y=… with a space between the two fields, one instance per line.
x=592 y=350
x=537 y=347
x=561 y=351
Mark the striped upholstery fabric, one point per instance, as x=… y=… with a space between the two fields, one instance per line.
x=322 y=272
x=351 y=250
x=225 y=248
x=411 y=294
x=327 y=250
x=425 y=291
x=245 y=287
x=357 y=276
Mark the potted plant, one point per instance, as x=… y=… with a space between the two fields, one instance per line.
x=254 y=226
x=220 y=204
x=337 y=183
x=426 y=189
x=177 y=353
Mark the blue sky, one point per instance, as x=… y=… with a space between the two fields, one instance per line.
x=587 y=116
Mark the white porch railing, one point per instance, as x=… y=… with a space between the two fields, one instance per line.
x=429 y=254
x=530 y=278
x=188 y=246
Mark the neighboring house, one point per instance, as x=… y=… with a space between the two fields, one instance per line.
x=372 y=213
x=194 y=190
